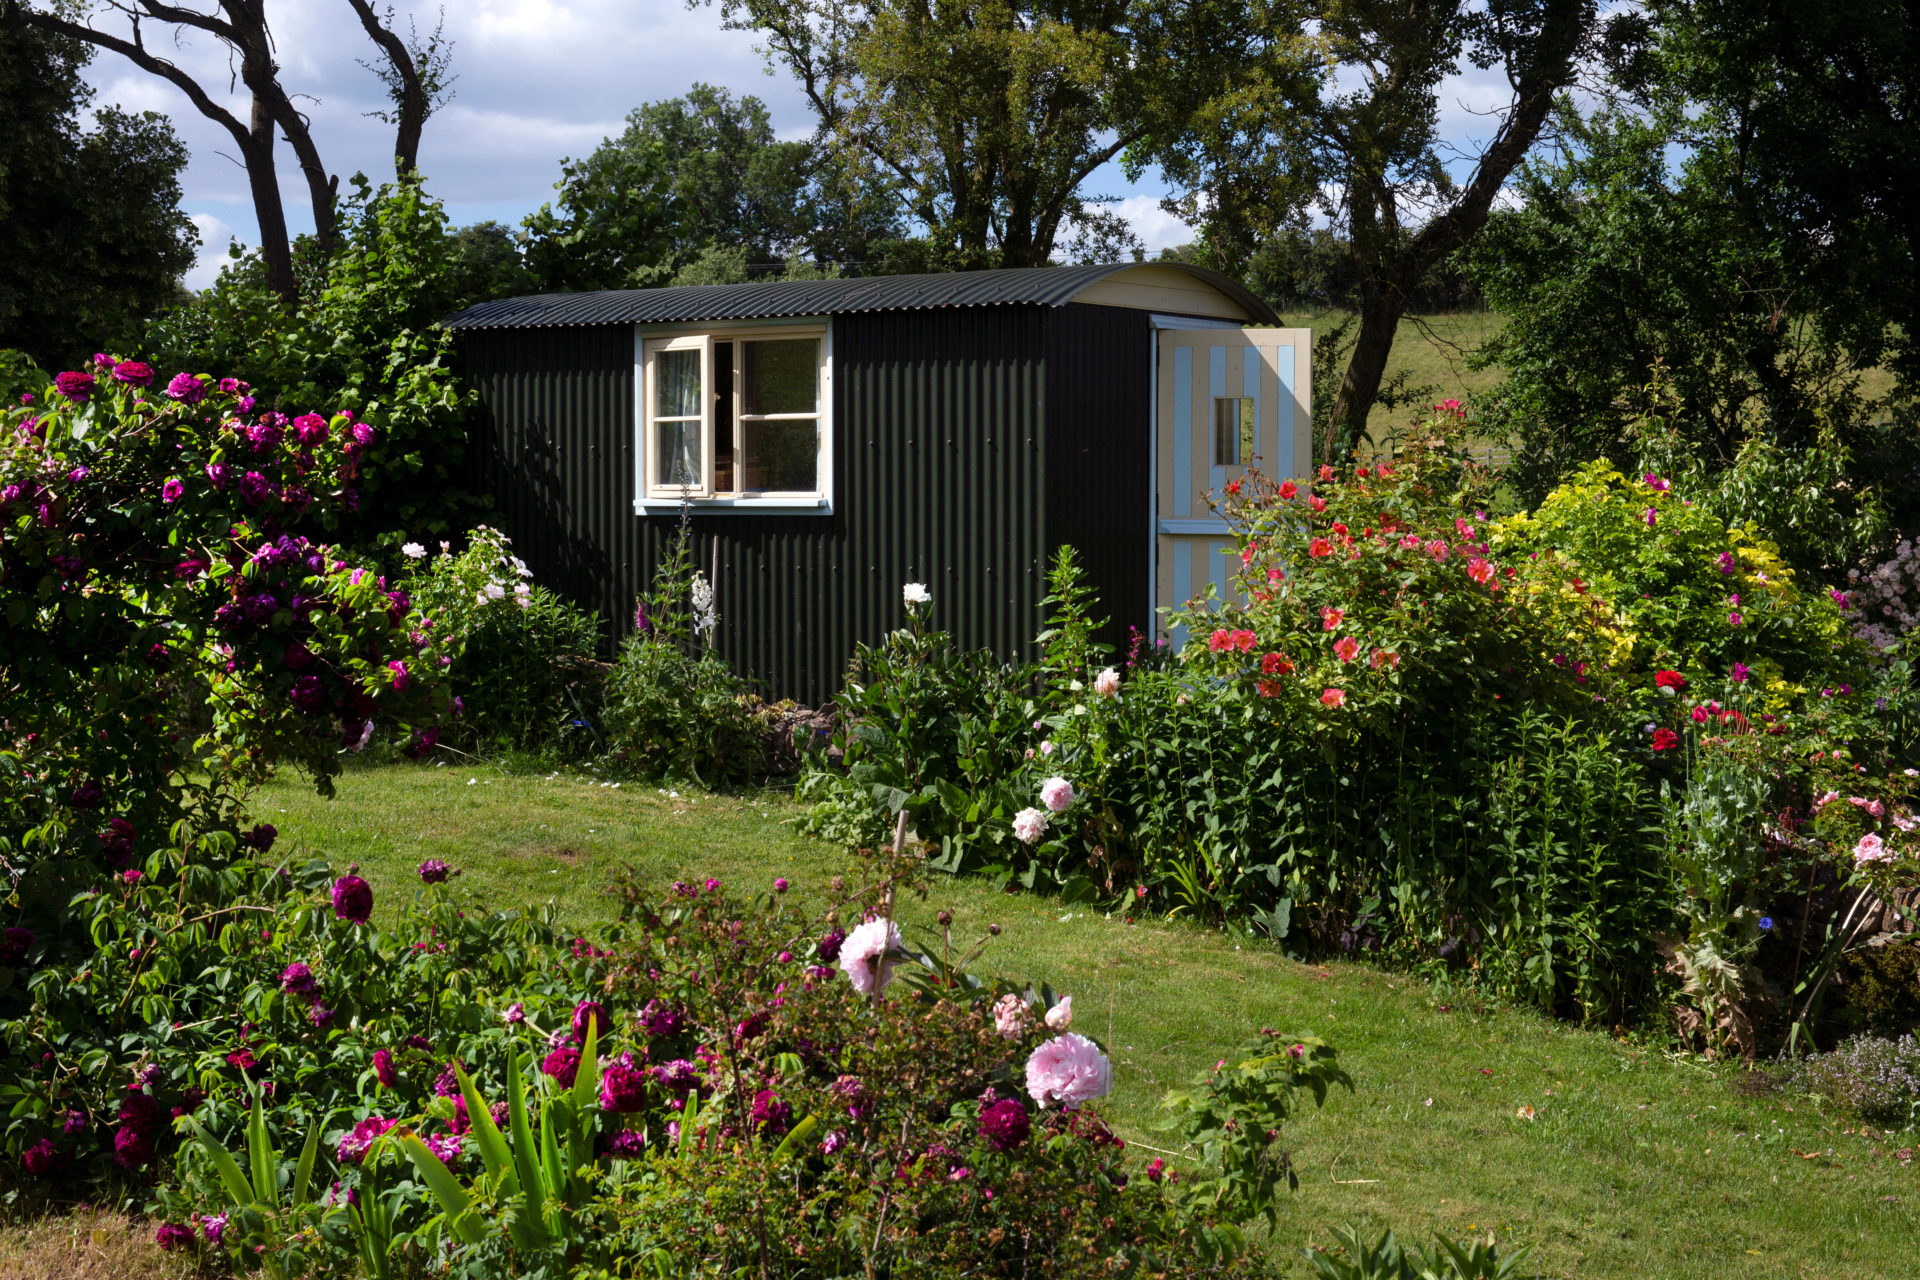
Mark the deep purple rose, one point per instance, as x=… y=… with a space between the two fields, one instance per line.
x=298 y=980
x=173 y=1235
x=40 y=1159
x=14 y=941
x=383 y=1068
x=76 y=387
x=661 y=1019
x=186 y=388
x=830 y=945
x=1004 y=1125
x=310 y=428
x=597 y=1012
x=131 y=1147
x=136 y=373
x=261 y=839
x=254 y=488
x=352 y=899
x=562 y=1064
x=628 y=1144
x=172 y=491
x=309 y=695
x=623 y=1087
x=87 y=795
x=217 y=473
x=434 y=871
x=769 y=1113
x=677 y=1077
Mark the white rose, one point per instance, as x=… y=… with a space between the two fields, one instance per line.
x=916 y=593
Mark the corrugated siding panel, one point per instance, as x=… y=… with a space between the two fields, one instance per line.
x=1049 y=286
x=1100 y=454
x=939 y=420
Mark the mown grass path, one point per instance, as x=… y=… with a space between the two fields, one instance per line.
x=1634 y=1164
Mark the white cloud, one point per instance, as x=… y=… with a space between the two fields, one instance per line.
x=1156 y=228
x=537 y=80
x=215 y=235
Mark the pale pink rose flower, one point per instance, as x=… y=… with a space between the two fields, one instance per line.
x=1029 y=825
x=1107 y=683
x=1056 y=793
x=1069 y=1070
x=1010 y=1016
x=1060 y=1017
x=864 y=955
x=1872 y=849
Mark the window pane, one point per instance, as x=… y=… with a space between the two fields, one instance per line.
x=676 y=381
x=1227 y=413
x=783 y=457
x=781 y=377
x=679 y=460
x=723 y=417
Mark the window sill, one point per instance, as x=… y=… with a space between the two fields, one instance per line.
x=1202 y=525
x=771 y=506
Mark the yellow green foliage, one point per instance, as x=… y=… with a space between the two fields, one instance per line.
x=1636 y=577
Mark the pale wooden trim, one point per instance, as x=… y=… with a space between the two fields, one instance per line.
x=1150 y=288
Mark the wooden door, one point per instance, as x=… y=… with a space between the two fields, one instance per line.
x=1227 y=401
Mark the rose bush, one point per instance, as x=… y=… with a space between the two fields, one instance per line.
x=748 y=1075
x=1570 y=753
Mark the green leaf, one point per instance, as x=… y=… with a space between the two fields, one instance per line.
x=303 y=1173
x=446 y=1188
x=526 y=1165
x=586 y=1081
x=223 y=1161
x=265 y=1159
x=493 y=1147
x=795 y=1136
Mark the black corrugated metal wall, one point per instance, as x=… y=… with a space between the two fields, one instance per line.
x=1100 y=455
x=940 y=476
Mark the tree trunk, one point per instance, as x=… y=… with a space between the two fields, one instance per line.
x=1380 y=312
x=264 y=182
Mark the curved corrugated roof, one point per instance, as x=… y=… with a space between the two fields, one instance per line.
x=1041 y=286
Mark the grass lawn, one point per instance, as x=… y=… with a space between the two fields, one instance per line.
x=1635 y=1164
x=1433 y=349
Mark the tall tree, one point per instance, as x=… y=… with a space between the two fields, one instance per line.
x=92 y=238
x=1816 y=106
x=989 y=116
x=698 y=189
x=415 y=74
x=1359 y=140
x=1738 y=229
x=243 y=27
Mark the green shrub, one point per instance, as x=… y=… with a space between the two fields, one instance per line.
x=673 y=708
x=1876 y=1079
x=210 y=970
x=522 y=674
x=669 y=713
x=1355 y=1258
x=1676 y=587
x=363 y=339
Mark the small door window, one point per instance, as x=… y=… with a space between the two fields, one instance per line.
x=1232 y=431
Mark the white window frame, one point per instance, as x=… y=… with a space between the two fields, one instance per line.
x=653 y=499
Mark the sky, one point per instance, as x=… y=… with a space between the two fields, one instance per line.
x=538 y=80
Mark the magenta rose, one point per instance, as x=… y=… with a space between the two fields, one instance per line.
x=352 y=899
x=76 y=387
x=623 y=1088
x=186 y=388
x=563 y=1064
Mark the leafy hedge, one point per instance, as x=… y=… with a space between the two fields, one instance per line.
x=1574 y=752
